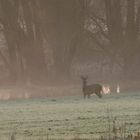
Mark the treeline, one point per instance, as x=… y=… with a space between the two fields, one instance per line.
x=43 y=36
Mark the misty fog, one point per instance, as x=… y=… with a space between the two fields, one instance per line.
x=46 y=45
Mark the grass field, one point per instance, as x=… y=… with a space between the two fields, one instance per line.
x=69 y=117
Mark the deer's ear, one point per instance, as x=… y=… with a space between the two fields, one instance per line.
x=86 y=76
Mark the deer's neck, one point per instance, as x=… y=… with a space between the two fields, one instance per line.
x=84 y=84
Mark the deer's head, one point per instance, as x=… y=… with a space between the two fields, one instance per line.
x=84 y=78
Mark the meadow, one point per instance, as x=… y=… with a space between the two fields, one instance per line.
x=70 y=116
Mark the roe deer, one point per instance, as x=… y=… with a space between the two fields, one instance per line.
x=90 y=89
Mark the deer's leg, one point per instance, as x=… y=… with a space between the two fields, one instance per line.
x=84 y=95
x=99 y=94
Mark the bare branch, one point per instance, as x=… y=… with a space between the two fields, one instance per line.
x=104 y=48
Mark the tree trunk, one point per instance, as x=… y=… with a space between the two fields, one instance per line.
x=64 y=21
x=130 y=39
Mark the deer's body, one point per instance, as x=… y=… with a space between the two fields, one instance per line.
x=90 y=89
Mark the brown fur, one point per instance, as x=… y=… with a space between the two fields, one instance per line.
x=90 y=89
